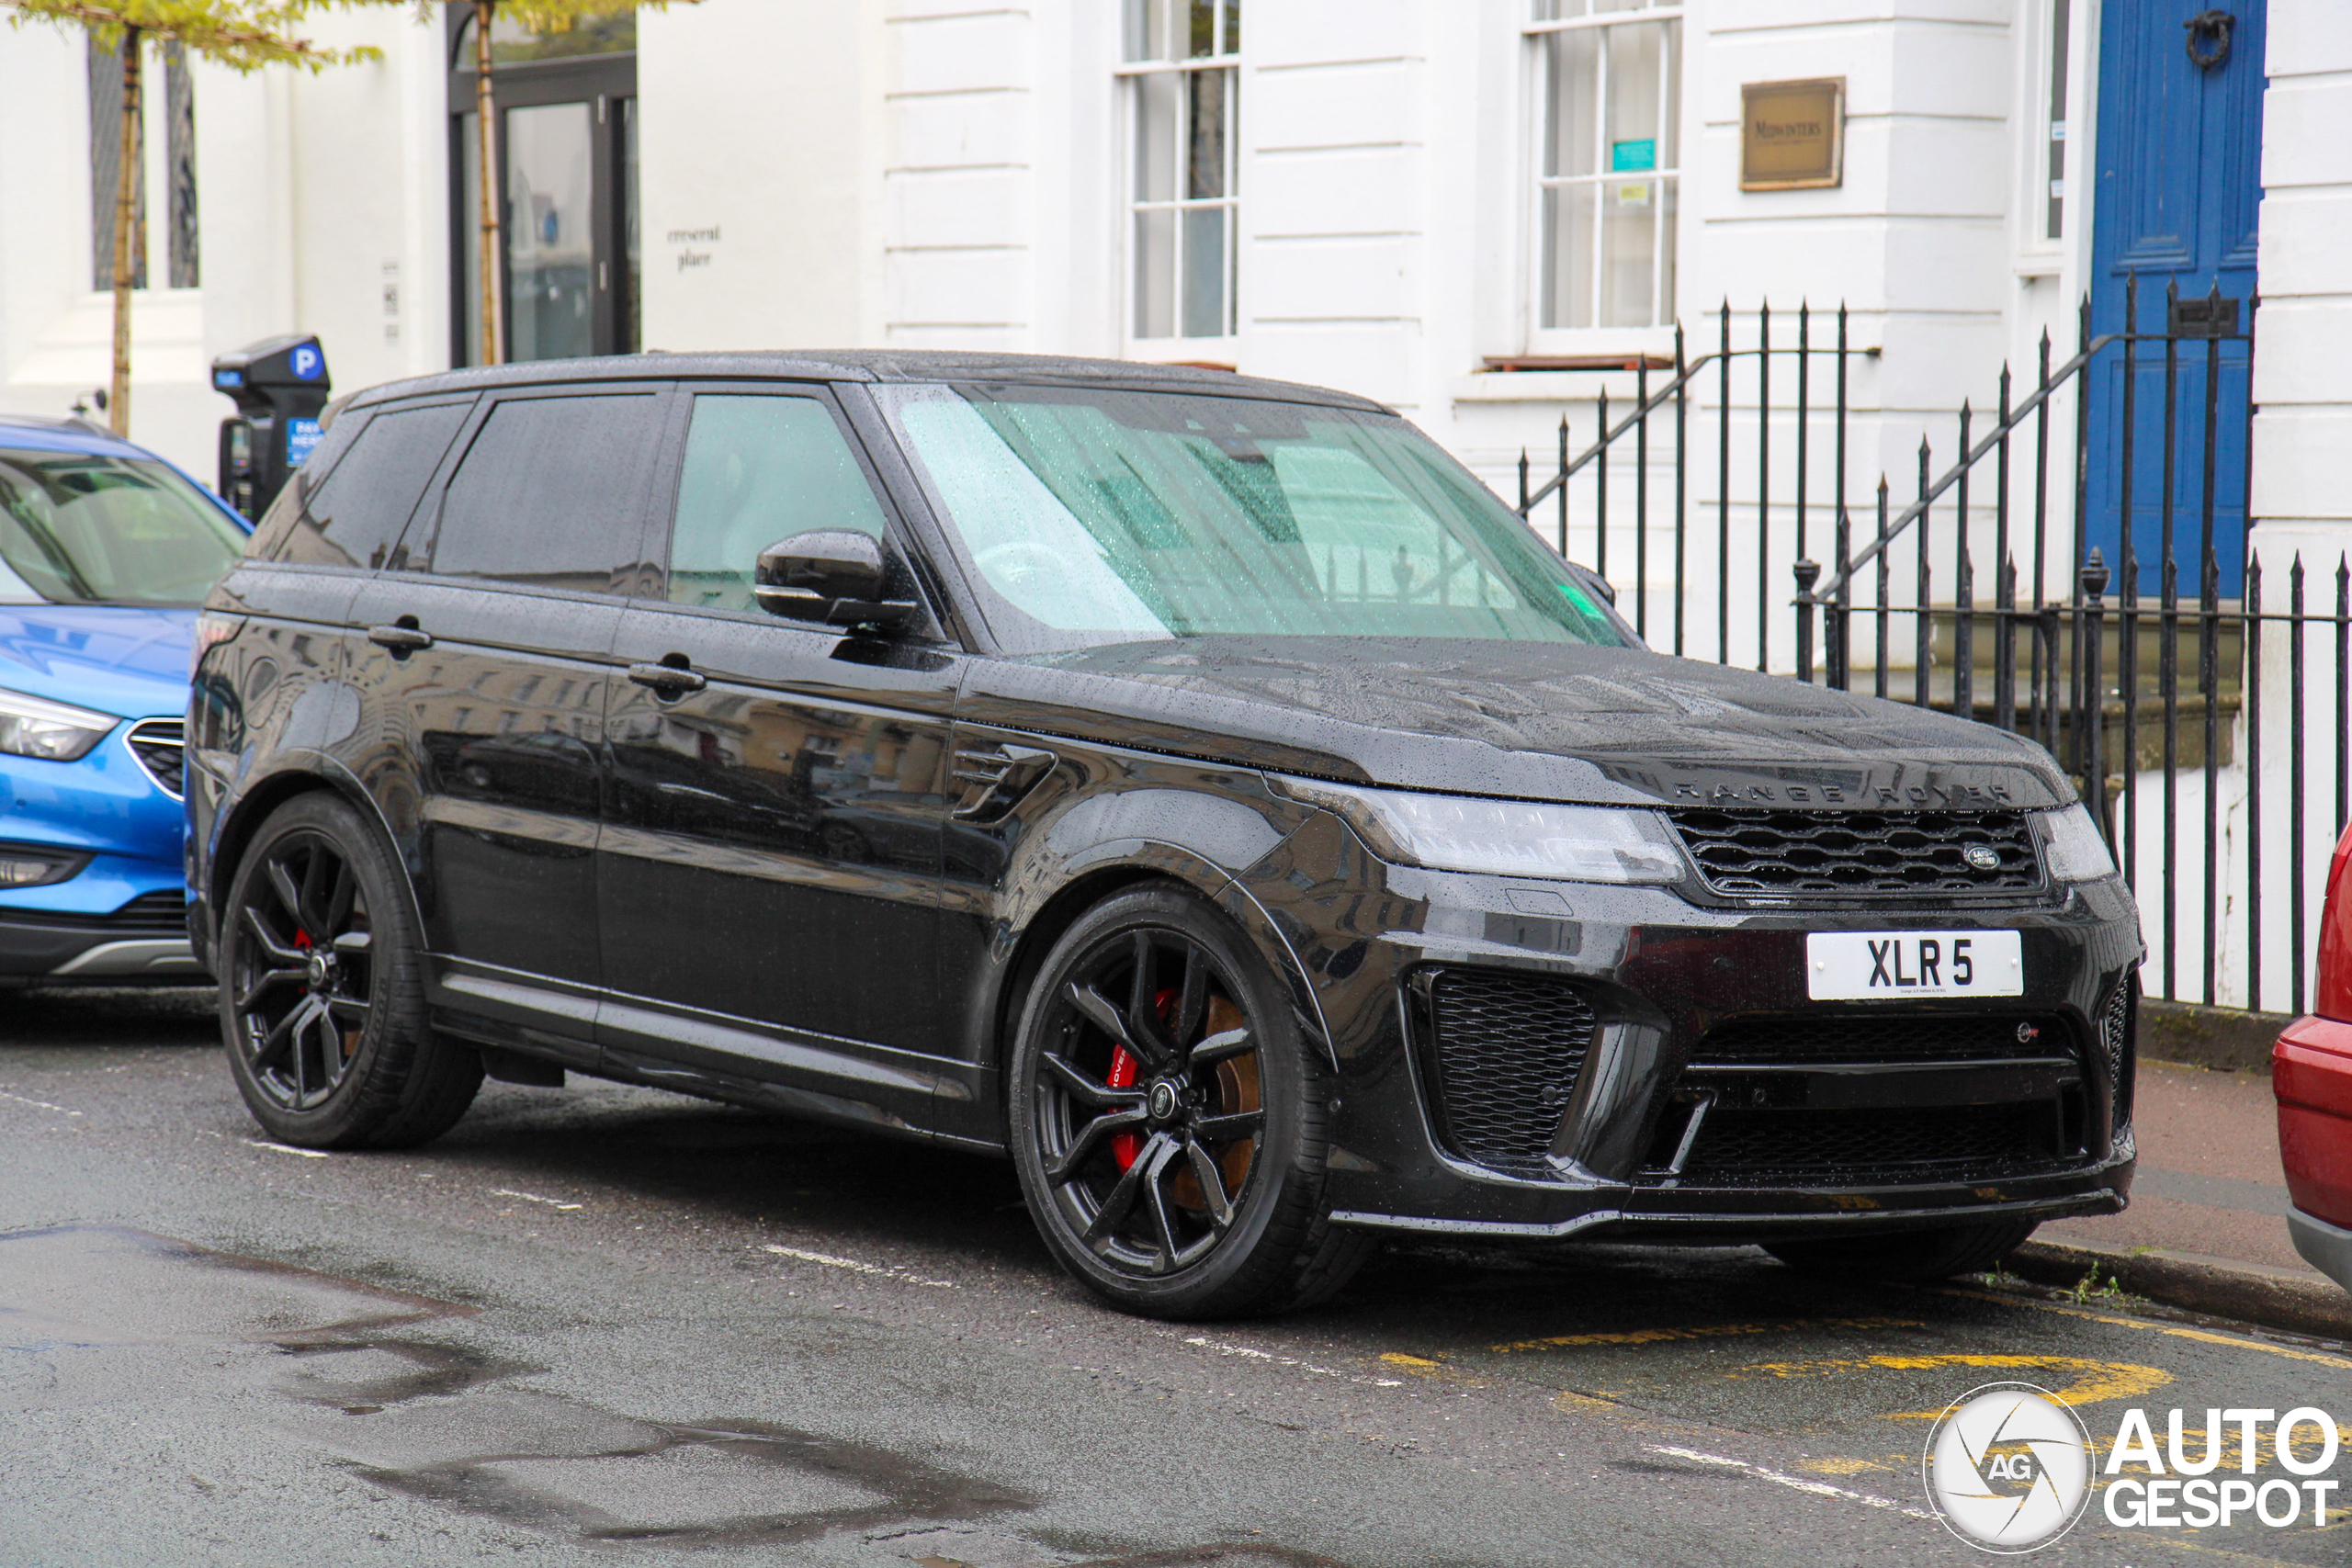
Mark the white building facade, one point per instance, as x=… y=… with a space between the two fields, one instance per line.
x=1482 y=212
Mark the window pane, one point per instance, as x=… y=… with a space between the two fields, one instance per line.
x=1634 y=92
x=1203 y=42
x=1155 y=273
x=1558 y=10
x=105 y=169
x=1668 y=220
x=1628 y=232
x=1205 y=302
x=468 y=308
x=1232 y=26
x=1146 y=30
x=1158 y=115
x=516 y=42
x=356 y=517
x=179 y=143
x=1568 y=255
x=1205 y=137
x=759 y=469
x=632 y=337
x=548 y=494
x=2053 y=225
x=1573 y=60
x=551 y=263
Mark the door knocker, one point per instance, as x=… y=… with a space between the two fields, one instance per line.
x=2208 y=37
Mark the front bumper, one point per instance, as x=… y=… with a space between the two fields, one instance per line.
x=1662 y=979
x=121 y=917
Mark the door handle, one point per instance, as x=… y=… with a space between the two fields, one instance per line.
x=668 y=679
x=403 y=639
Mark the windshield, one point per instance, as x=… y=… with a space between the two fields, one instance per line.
x=84 y=528
x=1092 y=516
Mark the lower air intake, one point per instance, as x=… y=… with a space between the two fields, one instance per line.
x=1506 y=1050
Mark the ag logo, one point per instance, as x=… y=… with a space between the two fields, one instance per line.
x=2007 y=1468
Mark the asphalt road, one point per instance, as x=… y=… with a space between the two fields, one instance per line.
x=603 y=1325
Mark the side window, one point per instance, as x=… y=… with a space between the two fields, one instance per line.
x=550 y=493
x=355 y=516
x=759 y=469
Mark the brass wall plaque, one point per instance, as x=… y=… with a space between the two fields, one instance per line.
x=1793 y=134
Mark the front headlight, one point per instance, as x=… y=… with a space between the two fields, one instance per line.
x=1503 y=838
x=30 y=727
x=2071 y=845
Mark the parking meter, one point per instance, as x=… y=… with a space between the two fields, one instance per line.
x=280 y=386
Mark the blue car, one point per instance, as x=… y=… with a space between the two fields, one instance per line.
x=106 y=551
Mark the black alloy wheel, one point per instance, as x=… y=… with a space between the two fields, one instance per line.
x=1168 y=1125
x=301 y=979
x=322 y=996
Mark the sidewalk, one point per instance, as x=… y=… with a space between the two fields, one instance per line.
x=2207 y=1228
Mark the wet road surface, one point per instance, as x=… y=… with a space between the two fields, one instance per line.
x=606 y=1325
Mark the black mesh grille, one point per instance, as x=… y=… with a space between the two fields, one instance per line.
x=163 y=913
x=1964 y=1143
x=1754 y=852
x=1886 y=1037
x=157 y=744
x=1507 y=1051
x=2121 y=1050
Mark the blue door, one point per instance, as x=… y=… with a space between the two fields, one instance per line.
x=2178 y=175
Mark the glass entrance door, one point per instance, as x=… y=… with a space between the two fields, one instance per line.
x=550 y=235
x=565 y=109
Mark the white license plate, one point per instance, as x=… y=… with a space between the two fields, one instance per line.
x=1841 y=966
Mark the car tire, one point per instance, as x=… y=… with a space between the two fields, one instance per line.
x=1909 y=1255
x=322 y=990
x=1185 y=1181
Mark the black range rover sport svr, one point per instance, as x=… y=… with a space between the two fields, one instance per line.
x=1199 y=788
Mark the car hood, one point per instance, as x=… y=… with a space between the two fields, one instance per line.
x=116 y=659
x=1543 y=721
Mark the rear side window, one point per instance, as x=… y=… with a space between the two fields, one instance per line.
x=759 y=469
x=355 y=515
x=551 y=493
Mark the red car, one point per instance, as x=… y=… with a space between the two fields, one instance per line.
x=2310 y=1071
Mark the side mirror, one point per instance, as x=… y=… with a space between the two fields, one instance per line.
x=1593 y=583
x=836 y=576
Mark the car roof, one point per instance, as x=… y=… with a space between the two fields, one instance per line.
x=71 y=433
x=881 y=365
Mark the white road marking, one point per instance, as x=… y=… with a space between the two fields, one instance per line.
x=879 y=1270
x=533 y=1197
x=39 y=1104
x=288 y=1149
x=1246 y=1353
x=1796 y=1483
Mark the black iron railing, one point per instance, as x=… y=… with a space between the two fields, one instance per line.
x=2171 y=709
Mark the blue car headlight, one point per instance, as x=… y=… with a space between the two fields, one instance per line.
x=34 y=727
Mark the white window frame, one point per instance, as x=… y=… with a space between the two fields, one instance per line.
x=1220 y=349
x=1544 y=341
x=2038 y=252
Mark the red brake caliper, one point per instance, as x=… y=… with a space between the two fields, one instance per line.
x=1125 y=1147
